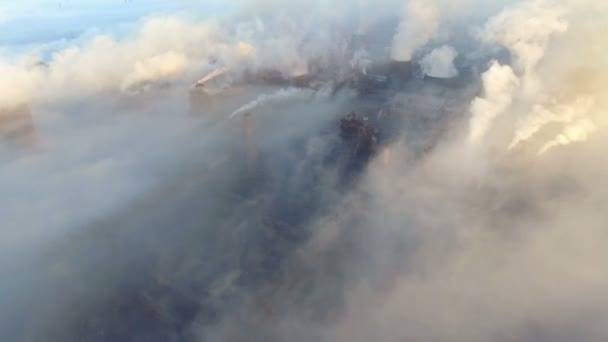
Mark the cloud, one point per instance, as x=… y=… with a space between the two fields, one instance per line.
x=4 y=17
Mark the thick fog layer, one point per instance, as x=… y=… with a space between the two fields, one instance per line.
x=313 y=171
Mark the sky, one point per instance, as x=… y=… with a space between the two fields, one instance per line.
x=52 y=24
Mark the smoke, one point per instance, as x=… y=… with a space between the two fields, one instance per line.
x=147 y=214
x=499 y=83
x=526 y=30
x=579 y=131
x=440 y=62
x=548 y=96
x=92 y=160
x=540 y=117
x=419 y=22
x=106 y=65
x=512 y=253
x=425 y=251
x=277 y=96
x=162 y=67
x=164 y=50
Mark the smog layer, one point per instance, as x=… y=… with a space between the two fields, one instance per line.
x=412 y=170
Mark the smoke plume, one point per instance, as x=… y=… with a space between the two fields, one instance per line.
x=419 y=22
x=499 y=84
x=440 y=63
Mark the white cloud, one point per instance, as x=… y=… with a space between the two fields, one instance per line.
x=4 y=17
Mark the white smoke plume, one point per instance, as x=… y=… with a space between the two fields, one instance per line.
x=499 y=84
x=264 y=99
x=418 y=24
x=533 y=123
x=211 y=76
x=440 y=62
x=163 y=50
x=578 y=131
x=166 y=50
x=526 y=30
x=536 y=33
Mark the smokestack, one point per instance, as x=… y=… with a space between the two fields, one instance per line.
x=17 y=126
